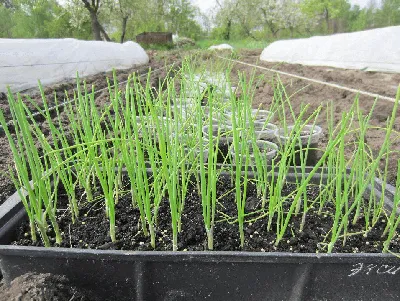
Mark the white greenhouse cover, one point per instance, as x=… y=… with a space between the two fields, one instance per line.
x=25 y=61
x=374 y=50
x=221 y=47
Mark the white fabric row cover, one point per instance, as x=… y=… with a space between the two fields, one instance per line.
x=25 y=61
x=221 y=47
x=373 y=50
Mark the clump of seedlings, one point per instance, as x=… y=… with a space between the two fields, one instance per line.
x=167 y=143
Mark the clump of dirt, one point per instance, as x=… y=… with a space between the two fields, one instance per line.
x=43 y=287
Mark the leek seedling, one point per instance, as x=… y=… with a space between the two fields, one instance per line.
x=373 y=167
x=394 y=218
x=55 y=153
x=209 y=178
x=37 y=195
x=168 y=150
x=105 y=167
x=155 y=153
x=329 y=148
x=239 y=118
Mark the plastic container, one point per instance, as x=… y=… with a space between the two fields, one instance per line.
x=224 y=143
x=235 y=275
x=267 y=149
x=265 y=131
x=225 y=132
x=181 y=111
x=257 y=115
x=307 y=143
x=194 y=154
x=262 y=115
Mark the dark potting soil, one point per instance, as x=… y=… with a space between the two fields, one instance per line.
x=43 y=287
x=223 y=153
x=91 y=230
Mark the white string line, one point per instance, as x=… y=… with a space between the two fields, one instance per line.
x=314 y=80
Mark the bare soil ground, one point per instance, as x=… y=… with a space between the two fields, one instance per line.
x=43 y=287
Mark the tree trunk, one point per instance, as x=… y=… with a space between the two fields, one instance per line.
x=104 y=33
x=273 y=29
x=228 y=30
x=124 y=21
x=160 y=13
x=96 y=28
x=327 y=20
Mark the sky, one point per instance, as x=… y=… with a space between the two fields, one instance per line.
x=205 y=5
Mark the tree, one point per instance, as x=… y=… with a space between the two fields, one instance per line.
x=32 y=19
x=125 y=10
x=271 y=14
x=7 y=3
x=6 y=21
x=325 y=9
x=225 y=16
x=250 y=17
x=97 y=29
x=245 y=15
x=160 y=9
x=293 y=18
x=179 y=13
x=204 y=21
x=389 y=14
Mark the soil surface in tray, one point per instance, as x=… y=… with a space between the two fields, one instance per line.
x=91 y=230
x=43 y=287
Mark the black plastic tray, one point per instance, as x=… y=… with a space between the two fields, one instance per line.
x=121 y=275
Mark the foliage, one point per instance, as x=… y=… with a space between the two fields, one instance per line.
x=273 y=19
x=248 y=20
x=50 y=19
x=6 y=22
x=38 y=19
